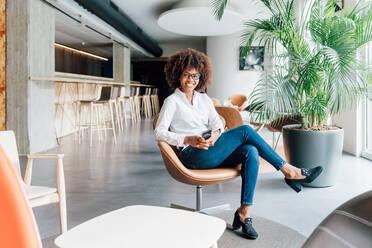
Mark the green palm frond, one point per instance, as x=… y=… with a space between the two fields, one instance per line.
x=290 y=10
x=309 y=76
x=322 y=9
x=266 y=98
x=363 y=22
x=218 y=8
x=268 y=31
x=315 y=109
x=318 y=72
x=267 y=3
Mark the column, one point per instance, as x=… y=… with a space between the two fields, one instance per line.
x=30 y=52
x=121 y=67
x=2 y=63
x=121 y=63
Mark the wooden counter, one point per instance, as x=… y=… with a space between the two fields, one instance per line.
x=70 y=88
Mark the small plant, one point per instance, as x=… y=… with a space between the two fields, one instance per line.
x=318 y=72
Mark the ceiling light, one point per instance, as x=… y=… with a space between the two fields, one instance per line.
x=195 y=18
x=79 y=51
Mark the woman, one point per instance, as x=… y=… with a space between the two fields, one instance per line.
x=188 y=117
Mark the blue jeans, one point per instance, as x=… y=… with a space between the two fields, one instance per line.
x=238 y=145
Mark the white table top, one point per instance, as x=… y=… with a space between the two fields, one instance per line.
x=145 y=226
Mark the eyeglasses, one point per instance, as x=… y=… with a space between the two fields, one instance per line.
x=195 y=76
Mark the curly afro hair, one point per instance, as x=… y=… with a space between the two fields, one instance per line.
x=184 y=59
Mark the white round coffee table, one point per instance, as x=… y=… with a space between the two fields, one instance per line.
x=145 y=226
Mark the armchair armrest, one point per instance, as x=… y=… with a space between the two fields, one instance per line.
x=56 y=156
x=243 y=106
x=61 y=191
x=59 y=157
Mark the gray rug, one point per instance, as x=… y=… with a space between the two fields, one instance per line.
x=271 y=235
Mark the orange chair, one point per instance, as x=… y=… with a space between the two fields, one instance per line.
x=17 y=224
x=239 y=100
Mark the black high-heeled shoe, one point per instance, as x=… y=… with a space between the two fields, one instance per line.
x=311 y=175
x=247 y=226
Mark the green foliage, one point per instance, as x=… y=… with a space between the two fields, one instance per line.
x=218 y=7
x=319 y=74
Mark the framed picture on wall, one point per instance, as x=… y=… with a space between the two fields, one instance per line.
x=339 y=5
x=254 y=61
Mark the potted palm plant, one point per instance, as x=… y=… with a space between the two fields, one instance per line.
x=316 y=74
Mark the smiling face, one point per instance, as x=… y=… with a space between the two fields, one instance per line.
x=189 y=80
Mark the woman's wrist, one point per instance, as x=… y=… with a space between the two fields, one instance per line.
x=217 y=131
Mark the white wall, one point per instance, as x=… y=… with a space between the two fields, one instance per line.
x=352 y=120
x=171 y=47
x=227 y=80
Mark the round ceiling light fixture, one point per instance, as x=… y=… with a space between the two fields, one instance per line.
x=195 y=18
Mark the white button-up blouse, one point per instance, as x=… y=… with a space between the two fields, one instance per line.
x=178 y=118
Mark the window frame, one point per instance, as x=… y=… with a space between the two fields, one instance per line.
x=367 y=139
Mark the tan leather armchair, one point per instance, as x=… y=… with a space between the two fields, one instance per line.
x=239 y=100
x=200 y=178
x=216 y=102
x=231 y=117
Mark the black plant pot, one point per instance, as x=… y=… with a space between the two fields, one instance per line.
x=306 y=149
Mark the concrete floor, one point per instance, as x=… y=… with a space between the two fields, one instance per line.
x=109 y=176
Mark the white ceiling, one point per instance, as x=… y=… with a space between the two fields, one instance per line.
x=71 y=33
x=181 y=20
x=145 y=14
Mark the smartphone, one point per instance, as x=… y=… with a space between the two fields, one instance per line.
x=206 y=135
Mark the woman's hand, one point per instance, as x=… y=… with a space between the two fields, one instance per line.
x=197 y=141
x=214 y=137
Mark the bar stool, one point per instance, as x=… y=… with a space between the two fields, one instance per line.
x=155 y=101
x=114 y=106
x=107 y=117
x=146 y=103
x=93 y=107
x=134 y=104
x=137 y=101
x=121 y=101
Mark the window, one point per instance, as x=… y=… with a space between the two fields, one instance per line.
x=368 y=151
x=368 y=113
